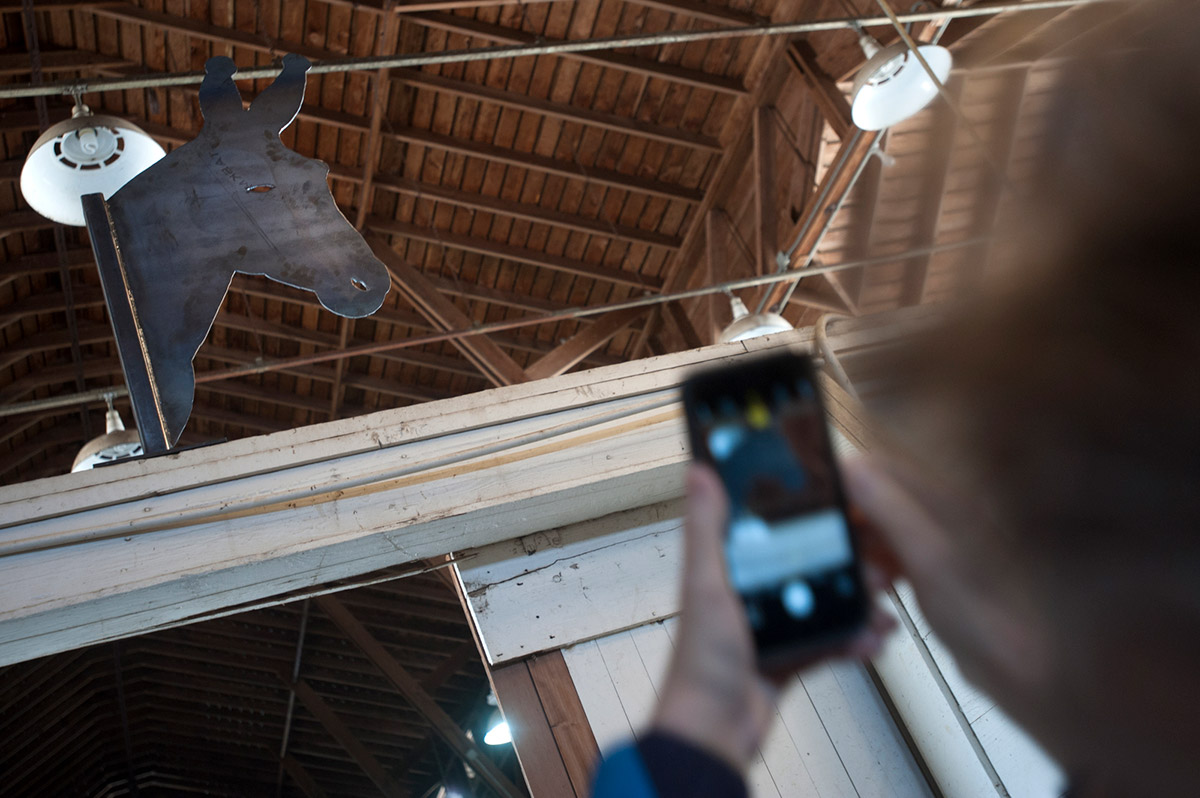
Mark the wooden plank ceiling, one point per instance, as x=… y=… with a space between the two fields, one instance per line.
x=503 y=189
x=209 y=707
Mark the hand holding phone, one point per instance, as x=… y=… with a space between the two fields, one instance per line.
x=789 y=550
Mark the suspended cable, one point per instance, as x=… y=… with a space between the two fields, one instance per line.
x=370 y=63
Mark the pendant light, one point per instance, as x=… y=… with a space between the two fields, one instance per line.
x=751 y=325
x=86 y=154
x=498 y=732
x=116 y=443
x=893 y=86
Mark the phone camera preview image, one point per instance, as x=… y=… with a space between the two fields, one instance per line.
x=789 y=549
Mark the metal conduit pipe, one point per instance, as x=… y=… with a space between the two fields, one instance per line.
x=783 y=258
x=821 y=339
x=80 y=86
x=99 y=394
x=829 y=218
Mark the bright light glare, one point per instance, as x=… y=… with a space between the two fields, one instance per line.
x=498 y=734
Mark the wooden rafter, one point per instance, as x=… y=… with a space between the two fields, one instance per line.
x=709 y=12
x=302 y=777
x=832 y=190
x=822 y=88
x=13 y=64
x=114 y=66
x=941 y=154
x=542 y=163
x=432 y=19
x=766 y=213
x=412 y=691
x=491 y=360
x=340 y=732
x=682 y=267
x=628 y=63
x=583 y=343
x=498 y=249
x=562 y=111
x=532 y=213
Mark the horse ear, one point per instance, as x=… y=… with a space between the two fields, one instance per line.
x=219 y=95
x=277 y=105
x=296 y=61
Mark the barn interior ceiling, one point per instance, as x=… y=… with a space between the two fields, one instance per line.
x=536 y=213
x=513 y=194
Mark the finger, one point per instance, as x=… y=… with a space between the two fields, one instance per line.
x=902 y=521
x=877 y=579
x=704 y=527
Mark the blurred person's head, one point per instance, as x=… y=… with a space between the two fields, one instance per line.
x=1065 y=410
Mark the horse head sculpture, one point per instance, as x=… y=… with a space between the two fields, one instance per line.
x=234 y=199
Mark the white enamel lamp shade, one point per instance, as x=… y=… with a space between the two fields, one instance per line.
x=86 y=154
x=893 y=86
x=751 y=325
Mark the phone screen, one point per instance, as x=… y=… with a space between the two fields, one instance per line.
x=789 y=550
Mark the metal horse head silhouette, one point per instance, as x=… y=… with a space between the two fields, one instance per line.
x=234 y=199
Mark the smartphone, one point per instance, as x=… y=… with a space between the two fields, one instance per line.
x=789 y=550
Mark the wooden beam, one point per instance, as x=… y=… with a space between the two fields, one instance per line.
x=735 y=134
x=505 y=251
x=159 y=21
x=303 y=779
x=451 y=664
x=537 y=751
x=766 y=213
x=836 y=183
x=541 y=163
x=340 y=732
x=387 y=489
x=50 y=302
x=822 y=88
x=78 y=567
x=412 y=691
x=709 y=12
x=426 y=80
x=565 y=112
x=434 y=19
x=683 y=325
x=497 y=366
x=583 y=343
x=812 y=299
x=937 y=170
x=44 y=263
x=531 y=213
x=566 y=717
x=23 y=222
x=469 y=26
x=13 y=64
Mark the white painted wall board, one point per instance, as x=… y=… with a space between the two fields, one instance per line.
x=1025 y=770
x=630 y=678
x=599 y=697
x=843 y=746
x=930 y=714
x=801 y=754
x=1024 y=767
x=561 y=586
x=861 y=727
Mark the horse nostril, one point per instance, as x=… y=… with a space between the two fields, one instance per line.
x=357 y=283
x=261 y=189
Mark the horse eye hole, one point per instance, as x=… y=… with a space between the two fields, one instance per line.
x=357 y=283
x=261 y=189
